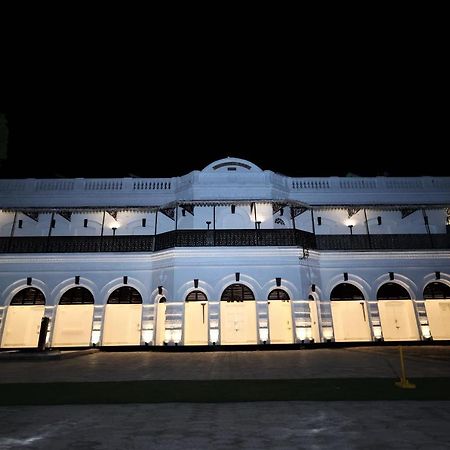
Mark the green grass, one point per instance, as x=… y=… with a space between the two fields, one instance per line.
x=221 y=391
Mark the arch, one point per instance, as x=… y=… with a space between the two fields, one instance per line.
x=238 y=324
x=397 y=313
x=73 y=318
x=196 y=296
x=436 y=290
x=346 y=291
x=23 y=319
x=234 y=164
x=237 y=292
x=281 y=324
x=77 y=296
x=122 y=317
x=28 y=296
x=392 y=291
x=125 y=295
x=350 y=316
x=196 y=323
x=437 y=305
x=160 y=320
x=278 y=294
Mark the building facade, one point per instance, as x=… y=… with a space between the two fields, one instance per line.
x=228 y=255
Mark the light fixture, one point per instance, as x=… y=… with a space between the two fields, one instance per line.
x=208 y=223
x=114 y=230
x=351 y=228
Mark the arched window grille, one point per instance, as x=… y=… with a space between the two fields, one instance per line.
x=125 y=295
x=436 y=290
x=77 y=296
x=278 y=294
x=346 y=291
x=28 y=296
x=392 y=291
x=196 y=296
x=237 y=293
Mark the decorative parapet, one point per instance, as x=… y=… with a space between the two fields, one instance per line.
x=123 y=192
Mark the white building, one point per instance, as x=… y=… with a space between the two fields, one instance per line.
x=231 y=254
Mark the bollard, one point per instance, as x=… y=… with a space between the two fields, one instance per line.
x=43 y=334
x=403 y=383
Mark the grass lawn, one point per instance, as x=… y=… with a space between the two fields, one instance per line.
x=221 y=391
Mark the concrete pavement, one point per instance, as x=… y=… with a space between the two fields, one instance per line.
x=357 y=362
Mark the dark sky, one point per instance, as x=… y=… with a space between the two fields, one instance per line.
x=120 y=143
x=368 y=99
x=374 y=114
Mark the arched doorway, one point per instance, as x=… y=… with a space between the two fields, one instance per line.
x=160 y=325
x=238 y=316
x=437 y=306
x=23 y=319
x=314 y=315
x=350 y=315
x=74 y=316
x=280 y=317
x=196 y=319
x=123 y=317
x=397 y=315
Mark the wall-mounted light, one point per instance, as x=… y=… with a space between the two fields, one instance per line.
x=208 y=223
x=258 y=225
x=114 y=229
x=351 y=229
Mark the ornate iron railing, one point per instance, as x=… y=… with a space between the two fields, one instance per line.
x=179 y=238
x=383 y=241
x=223 y=238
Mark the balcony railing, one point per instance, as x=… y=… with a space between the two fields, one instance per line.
x=179 y=238
x=223 y=238
x=383 y=241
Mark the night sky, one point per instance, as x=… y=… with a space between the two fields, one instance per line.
x=360 y=100
x=386 y=123
x=365 y=139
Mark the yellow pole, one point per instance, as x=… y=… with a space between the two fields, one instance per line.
x=403 y=383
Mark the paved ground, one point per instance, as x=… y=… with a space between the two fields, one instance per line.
x=257 y=425
x=420 y=361
x=229 y=426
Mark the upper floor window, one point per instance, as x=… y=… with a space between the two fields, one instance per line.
x=28 y=296
x=237 y=292
x=125 y=294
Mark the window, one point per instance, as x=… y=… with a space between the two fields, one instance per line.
x=77 y=296
x=196 y=296
x=280 y=221
x=20 y=225
x=436 y=290
x=319 y=220
x=278 y=294
x=237 y=292
x=346 y=291
x=85 y=223
x=124 y=295
x=28 y=296
x=392 y=291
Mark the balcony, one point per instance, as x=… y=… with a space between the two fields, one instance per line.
x=383 y=242
x=223 y=238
